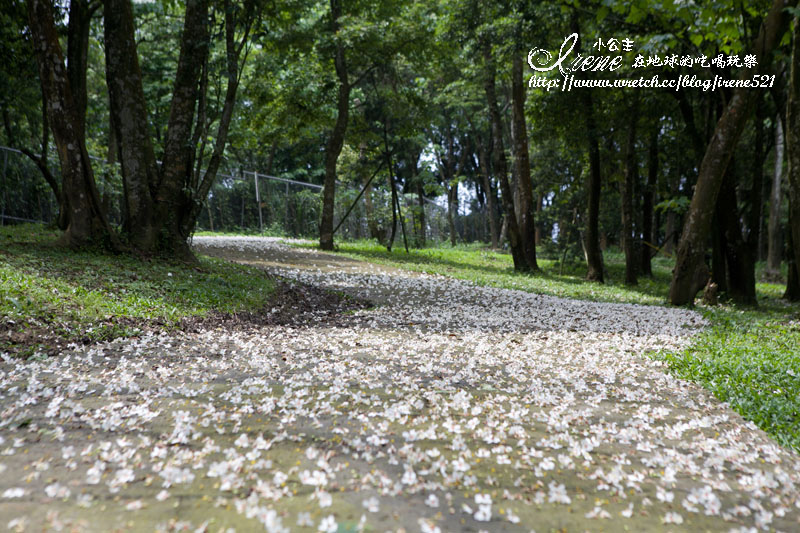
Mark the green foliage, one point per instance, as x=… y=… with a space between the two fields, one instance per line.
x=750 y=359
x=678 y=205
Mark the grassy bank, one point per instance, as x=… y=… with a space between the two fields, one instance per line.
x=747 y=357
x=51 y=296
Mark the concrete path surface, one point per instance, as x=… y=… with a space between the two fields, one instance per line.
x=448 y=407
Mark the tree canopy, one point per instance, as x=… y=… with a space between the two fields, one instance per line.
x=416 y=101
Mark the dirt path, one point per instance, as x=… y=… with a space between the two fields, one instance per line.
x=449 y=407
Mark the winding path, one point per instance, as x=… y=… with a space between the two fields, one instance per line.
x=448 y=407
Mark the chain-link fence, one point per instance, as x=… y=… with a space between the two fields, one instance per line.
x=241 y=201
x=25 y=196
x=257 y=203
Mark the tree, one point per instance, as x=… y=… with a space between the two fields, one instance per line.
x=648 y=195
x=631 y=176
x=85 y=220
x=774 y=241
x=522 y=165
x=336 y=140
x=793 y=145
x=690 y=260
x=499 y=162
x=163 y=201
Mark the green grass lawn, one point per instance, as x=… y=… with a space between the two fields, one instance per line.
x=749 y=357
x=50 y=295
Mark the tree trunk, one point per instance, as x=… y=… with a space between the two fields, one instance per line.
x=648 y=197
x=174 y=194
x=594 y=255
x=163 y=203
x=130 y=121
x=372 y=224
x=80 y=21
x=500 y=164
x=631 y=175
x=793 y=144
x=86 y=220
x=774 y=241
x=452 y=209
x=792 y=279
x=483 y=162
x=422 y=222
x=527 y=227
x=692 y=245
x=719 y=269
x=334 y=146
x=738 y=254
x=755 y=198
x=393 y=190
x=199 y=187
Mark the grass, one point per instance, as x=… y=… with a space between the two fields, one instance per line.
x=50 y=296
x=748 y=357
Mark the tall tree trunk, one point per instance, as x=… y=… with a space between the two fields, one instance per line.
x=483 y=162
x=174 y=192
x=86 y=220
x=372 y=224
x=416 y=184
x=692 y=245
x=793 y=145
x=80 y=20
x=719 y=268
x=163 y=203
x=522 y=166
x=774 y=241
x=130 y=121
x=200 y=184
x=792 y=292
x=591 y=237
x=648 y=199
x=112 y=152
x=631 y=175
x=594 y=255
x=755 y=198
x=422 y=221
x=335 y=142
x=738 y=254
x=500 y=164
x=452 y=209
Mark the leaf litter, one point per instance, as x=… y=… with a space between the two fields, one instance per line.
x=449 y=407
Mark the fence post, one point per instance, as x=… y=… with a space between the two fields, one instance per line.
x=258 y=201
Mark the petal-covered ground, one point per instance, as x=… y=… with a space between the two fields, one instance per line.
x=449 y=407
